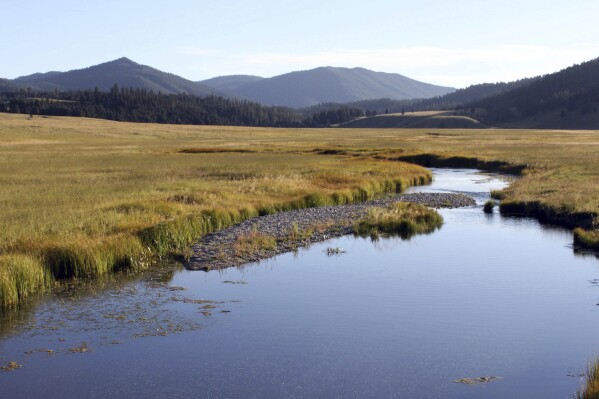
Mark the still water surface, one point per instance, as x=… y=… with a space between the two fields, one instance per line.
x=484 y=296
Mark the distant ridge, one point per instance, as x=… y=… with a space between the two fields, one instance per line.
x=295 y=89
x=123 y=72
x=230 y=83
x=332 y=84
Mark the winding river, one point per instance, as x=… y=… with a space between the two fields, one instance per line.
x=487 y=295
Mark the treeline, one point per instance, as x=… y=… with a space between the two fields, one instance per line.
x=140 y=105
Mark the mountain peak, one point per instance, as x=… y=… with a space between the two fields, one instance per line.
x=123 y=61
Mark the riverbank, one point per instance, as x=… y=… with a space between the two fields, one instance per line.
x=264 y=237
x=83 y=198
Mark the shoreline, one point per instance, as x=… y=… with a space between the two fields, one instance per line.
x=289 y=231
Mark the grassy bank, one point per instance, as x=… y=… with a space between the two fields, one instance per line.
x=82 y=197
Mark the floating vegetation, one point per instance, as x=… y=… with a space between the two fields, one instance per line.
x=330 y=251
x=49 y=352
x=235 y=282
x=83 y=348
x=11 y=366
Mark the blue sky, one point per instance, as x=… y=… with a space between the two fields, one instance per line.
x=453 y=43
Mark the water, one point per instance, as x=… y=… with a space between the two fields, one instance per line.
x=484 y=296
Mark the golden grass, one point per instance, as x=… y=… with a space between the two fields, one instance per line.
x=591 y=384
x=88 y=197
x=400 y=218
x=85 y=197
x=253 y=242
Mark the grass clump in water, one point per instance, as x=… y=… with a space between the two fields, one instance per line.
x=587 y=238
x=591 y=383
x=489 y=205
x=401 y=218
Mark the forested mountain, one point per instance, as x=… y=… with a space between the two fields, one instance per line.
x=568 y=98
x=295 y=89
x=8 y=85
x=340 y=85
x=139 y=105
x=457 y=99
x=122 y=72
x=229 y=83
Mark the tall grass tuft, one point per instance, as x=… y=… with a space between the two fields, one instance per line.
x=20 y=277
x=401 y=218
x=587 y=238
x=87 y=258
x=591 y=383
x=489 y=205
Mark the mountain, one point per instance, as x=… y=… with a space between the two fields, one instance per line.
x=122 y=72
x=338 y=85
x=229 y=83
x=565 y=99
x=8 y=85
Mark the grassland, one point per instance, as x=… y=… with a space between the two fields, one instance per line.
x=82 y=197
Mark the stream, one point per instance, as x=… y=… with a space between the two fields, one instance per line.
x=486 y=295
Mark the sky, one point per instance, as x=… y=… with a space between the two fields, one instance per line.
x=453 y=43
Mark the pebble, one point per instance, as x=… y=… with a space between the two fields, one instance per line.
x=216 y=250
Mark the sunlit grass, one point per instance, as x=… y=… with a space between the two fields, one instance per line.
x=590 y=390
x=400 y=218
x=86 y=197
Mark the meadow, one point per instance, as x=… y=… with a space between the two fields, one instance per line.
x=80 y=198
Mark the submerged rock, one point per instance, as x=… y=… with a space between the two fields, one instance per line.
x=477 y=380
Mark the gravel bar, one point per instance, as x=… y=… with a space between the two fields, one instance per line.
x=216 y=250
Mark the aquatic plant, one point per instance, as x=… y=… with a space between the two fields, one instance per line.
x=402 y=218
x=489 y=205
x=590 y=390
x=586 y=238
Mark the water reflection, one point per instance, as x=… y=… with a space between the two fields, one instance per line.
x=484 y=296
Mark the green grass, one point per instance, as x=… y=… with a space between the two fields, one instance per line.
x=400 y=218
x=590 y=390
x=587 y=238
x=82 y=197
x=254 y=242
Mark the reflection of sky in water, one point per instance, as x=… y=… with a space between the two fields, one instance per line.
x=485 y=295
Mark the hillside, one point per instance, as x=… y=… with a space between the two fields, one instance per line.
x=339 y=85
x=229 y=83
x=8 y=85
x=565 y=99
x=456 y=99
x=122 y=72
